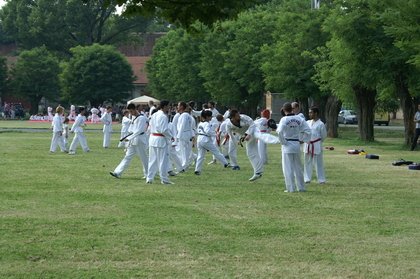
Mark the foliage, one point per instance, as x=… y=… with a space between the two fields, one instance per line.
x=186 y=12
x=62 y=24
x=173 y=69
x=35 y=75
x=3 y=75
x=96 y=74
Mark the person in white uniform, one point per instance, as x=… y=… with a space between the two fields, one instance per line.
x=57 y=127
x=106 y=118
x=205 y=135
x=313 y=149
x=160 y=135
x=291 y=130
x=296 y=110
x=137 y=142
x=125 y=125
x=262 y=125
x=79 y=136
x=184 y=135
x=241 y=124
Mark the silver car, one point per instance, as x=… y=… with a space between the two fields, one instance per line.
x=347 y=117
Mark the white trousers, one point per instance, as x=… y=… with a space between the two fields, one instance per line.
x=79 y=137
x=202 y=149
x=310 y=161
x=185 y=149
x=140 y=151
x=262 y=150
x=233 y=152
x=174 y=159
x=254 y=156
x=57 y=139
x=107 y=139
x=293 y=172
x=158 y=161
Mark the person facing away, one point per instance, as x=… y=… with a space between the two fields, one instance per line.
x=160 y=135
x=205 y=133
x=79 y=135
x=57 y=127
x=106 y=118
x=291 y=130
x=313 y=155
x=137 y=142
x=417 y=133
x=296 y=110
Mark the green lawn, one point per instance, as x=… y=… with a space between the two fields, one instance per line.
x=64 y=216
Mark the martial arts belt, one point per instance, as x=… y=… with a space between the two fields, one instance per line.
x=401 y=162
x=225 y=140
x=123 y=138
x=218 y=136
x=311 y=147
x=372 y=156
x=415 y=166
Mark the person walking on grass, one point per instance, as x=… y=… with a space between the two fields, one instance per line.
x=137 y=142
x=106 y=118
x=291 y=130
x=57 y=127
x=160 y=135
x=79 y=135
x=205 y=133
x=417 y=133
x=313 y=149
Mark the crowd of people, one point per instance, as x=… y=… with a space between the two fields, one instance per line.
x=169 y=143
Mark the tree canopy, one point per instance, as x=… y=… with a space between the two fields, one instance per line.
x=35 y=75
x=96 y=74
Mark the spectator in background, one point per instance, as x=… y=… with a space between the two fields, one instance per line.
x=417 y=133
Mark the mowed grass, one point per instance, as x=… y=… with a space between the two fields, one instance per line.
x=64 y=216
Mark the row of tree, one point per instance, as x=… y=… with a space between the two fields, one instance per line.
x=361 y=52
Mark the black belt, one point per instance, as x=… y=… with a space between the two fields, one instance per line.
x=292 y=139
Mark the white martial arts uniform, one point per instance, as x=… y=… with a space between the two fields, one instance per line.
x=262 y=126
x=158 y=146
x=57 y=138
x=65 y=134
x=205 y=133
x=291 y=130
x=106 y=118
x=313 y=151
x=125 y=124
x=79 y=136
x=137 y=144
x=174 y=158
x=248 y=127
x=224 y=144
x=184 y=138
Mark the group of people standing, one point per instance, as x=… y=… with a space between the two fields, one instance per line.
x=165 y=144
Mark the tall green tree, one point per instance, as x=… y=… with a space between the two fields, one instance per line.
x=173 y=70
x=35 y=75
x=96 y=74
x=62 y=24
x=3 y=76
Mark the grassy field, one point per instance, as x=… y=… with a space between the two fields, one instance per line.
x=64 y=216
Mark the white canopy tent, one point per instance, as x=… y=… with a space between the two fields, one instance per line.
x=143 y=100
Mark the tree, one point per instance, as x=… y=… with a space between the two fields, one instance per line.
x=3 y=76
x=35 y=75
x=62 y=24
x=173 y=69
x=186 y=12
x=96 y=74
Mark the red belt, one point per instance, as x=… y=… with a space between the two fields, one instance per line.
x=263 y=131
x=311 y=146
x=157 y=135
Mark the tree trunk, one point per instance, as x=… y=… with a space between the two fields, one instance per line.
x=304 y=106
x=366 y=101
x=34 y=101
x=408 y=107
x=332 y=108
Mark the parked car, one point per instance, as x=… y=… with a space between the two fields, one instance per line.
x=382 y=118
x=347 y=117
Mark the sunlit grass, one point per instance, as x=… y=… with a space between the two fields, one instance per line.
x=64 y=216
